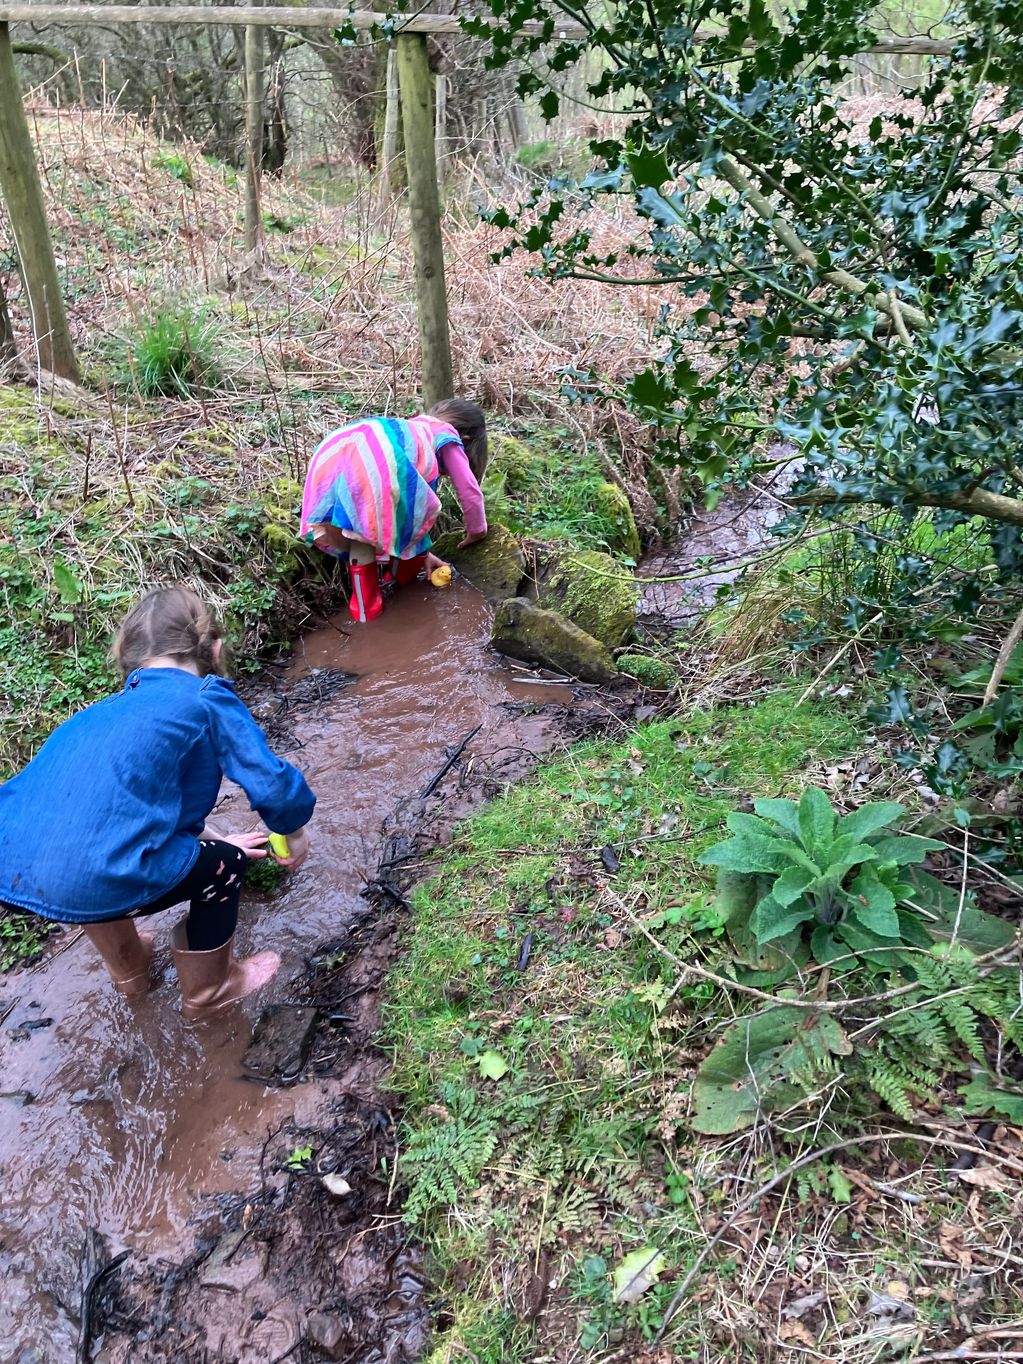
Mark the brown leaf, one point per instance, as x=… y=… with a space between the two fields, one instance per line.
x=952 y=1241
x=795 y=1332
x=985 y=1177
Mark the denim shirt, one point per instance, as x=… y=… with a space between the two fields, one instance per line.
x=107 y=816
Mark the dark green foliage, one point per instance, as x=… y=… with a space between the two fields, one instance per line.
x=838 y=881
x=885 y=256
x=22 y=937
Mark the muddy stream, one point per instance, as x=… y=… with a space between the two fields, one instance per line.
x=118 y=1116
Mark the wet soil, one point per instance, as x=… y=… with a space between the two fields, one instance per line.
x=123 y=1127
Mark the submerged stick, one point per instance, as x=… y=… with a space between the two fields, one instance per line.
x=429 y=790
x=96 y=1265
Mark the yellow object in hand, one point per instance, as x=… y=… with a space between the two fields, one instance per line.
x=279 y=845
x=441 y=577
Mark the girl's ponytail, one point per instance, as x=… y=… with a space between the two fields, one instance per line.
x=169 y=622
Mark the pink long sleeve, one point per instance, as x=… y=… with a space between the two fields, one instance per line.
x=455 y=464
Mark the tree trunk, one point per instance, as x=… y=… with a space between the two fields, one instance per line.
x=424 y=211
x=23 y=194
x=254 y=56
x=8 y=350
x=275 y=119
x=517 y=122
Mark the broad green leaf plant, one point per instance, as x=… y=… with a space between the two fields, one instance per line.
x=836 y=883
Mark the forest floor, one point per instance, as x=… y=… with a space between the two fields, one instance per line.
x=547 y=983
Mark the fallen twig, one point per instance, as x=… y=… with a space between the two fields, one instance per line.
x=1002 y=661
x=448 y=765
x=95 y=1267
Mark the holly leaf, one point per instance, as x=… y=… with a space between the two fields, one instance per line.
x=549 y=105
x=648 y=167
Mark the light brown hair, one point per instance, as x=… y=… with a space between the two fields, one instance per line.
x=471 y=425
x=168 y=622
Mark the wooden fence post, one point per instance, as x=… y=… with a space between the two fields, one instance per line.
x=424 y=210
x=23 y=195
x=389 y=142
x=440 y=124
x=254 y=50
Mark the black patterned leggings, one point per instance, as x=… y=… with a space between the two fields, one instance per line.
x=212 y=889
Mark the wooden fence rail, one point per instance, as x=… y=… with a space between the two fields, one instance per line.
x=287 y=16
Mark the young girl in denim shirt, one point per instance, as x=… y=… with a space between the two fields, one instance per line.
x=106 y=824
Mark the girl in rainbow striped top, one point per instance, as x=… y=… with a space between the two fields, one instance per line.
x=371 y=492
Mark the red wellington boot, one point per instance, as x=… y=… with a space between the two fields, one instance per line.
x=408 y=570
x=366 y=602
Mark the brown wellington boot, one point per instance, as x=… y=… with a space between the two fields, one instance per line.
x=210 y=981
x=126 y=952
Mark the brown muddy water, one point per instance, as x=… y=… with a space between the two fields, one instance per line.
x=120 y=1117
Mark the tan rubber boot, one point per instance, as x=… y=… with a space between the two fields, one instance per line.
x=127 y=953
x=210 y=981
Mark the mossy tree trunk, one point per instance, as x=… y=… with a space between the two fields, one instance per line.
x=23 y=195
x=416 y=82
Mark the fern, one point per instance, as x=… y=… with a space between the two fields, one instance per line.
x=888 y=1082
x=446 y=1158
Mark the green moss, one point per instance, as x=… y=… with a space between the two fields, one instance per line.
x=513 y=460
x=613 y=508
x=651 y=672
x=522 y=630
x=596 y=593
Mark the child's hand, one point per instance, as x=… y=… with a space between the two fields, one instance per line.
x=433 y=563
x=473 y=539
x=252 y=844
x=298 y=842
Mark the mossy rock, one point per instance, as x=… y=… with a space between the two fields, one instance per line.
x=651 y=672
x=596 y=593
x=512 y=459
x=494 y=566
x=613 y=507
x=527 y=632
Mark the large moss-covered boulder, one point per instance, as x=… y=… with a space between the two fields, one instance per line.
x=494 y=566
x=527 y=632
x=615 y=513
x=511 y=460
x=595 y=592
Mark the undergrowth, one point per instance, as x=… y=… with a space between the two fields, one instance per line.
x=570 y=1153
x=545 y=1037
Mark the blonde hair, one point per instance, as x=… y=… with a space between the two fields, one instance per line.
x=168 y=622
x=471 y=425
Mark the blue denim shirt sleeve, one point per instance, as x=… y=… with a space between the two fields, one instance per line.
x=275 y=789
